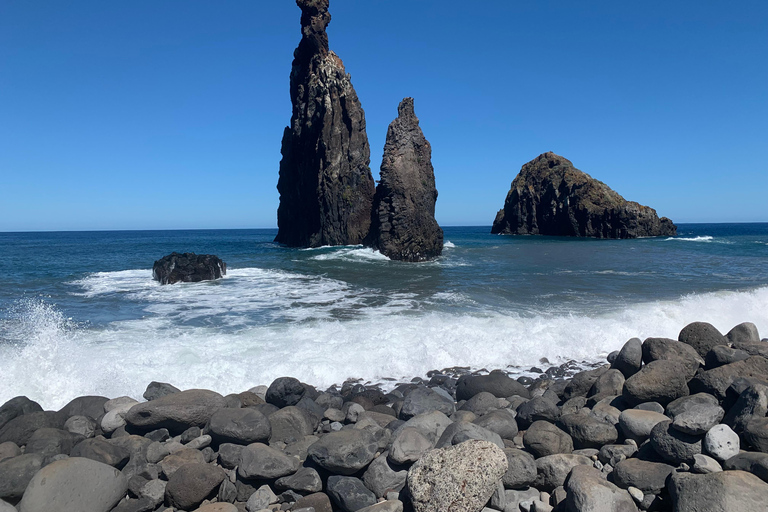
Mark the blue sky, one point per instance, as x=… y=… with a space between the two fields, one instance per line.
x=169 y=114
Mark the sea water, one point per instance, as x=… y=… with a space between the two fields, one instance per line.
x=80 y=313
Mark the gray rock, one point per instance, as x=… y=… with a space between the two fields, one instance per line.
x=655 y=349
x=157 y=390
x=385 y=506
x=610 y=383
x=705 y=464
x=20 y=428
x=658 y=381
x=497 y=383
x=227 y=491
x=49 y=442
x=544 y=438
x=17 y=406
x=702 y=336
x=16 y=473
x=743 y=333
x=258 y=460
x=403 y=225
x=695 y=414
x=176 y=412
x=637 y=424
x=587 y=431
x=154 y=491
x=318 y=501
x=726 y=491
x=756 y=434
x=573 y=405
x=536 y=409
x=300 y=447
x=289 y=424
x=422 y=400
x=229 y=455
x=285 y=391
x=100 y=450
x=170 y=464
x=200 y=443
x=651 y=406
x=191 y=484
x=349 y=493
x=582 y=382
x=481 y=403
x=588 y=491
x=261 y=499
x=306 y=480
x=8 y=450
x=605 y=412
x=513 y=498
x=722 y=355
x=81 y=426
x=552 y=470
x=614 y=453
x=73 y=484
x=90 y=406
x=458 y=432
x=673 y=445
x=344 y=452
x=115 y=417
x=716 y=381
x=521 y=469
x=382 y=477
x=431 y=425
x=460 y=477
x=408 y=446
x=721 y=442
x=630 y=358
x=752 y=462
x=649 y=477
x=500 y=421
x=753 y=401
x=239 y=426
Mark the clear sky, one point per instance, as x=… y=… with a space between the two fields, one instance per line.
x=159 y=114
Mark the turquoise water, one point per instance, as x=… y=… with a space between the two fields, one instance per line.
x=80 y=314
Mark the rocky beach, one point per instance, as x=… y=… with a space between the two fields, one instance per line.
x=666 y=424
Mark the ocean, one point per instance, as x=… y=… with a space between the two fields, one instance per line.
x=81 y=315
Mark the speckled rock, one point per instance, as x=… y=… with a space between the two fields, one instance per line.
x=176 y=412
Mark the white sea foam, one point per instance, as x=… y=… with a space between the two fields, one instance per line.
x=352 y=253
x=705 y=238
x=60 y=361
x=448 y=245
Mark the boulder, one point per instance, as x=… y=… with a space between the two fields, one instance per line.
x=461 y=431
x=500 y=421
x=259 y=461
x=497 y=383
x=344 y=452
x=553 y=469
x=614 y=453
x=705 y=464
x=673 y=445
x=170 y=464
x=551 y=197
x=535 y=409
x=756 y=434
x=408 y=446
x=721 y=442
x=422 y=400
x=16 y=473
x=658 y=381
x=285 y=391
x=188 y=268
x=102 y=451
x=460 y=477
x=431 y=425
x=261 y=499
x=543 y=438
x=480 y=404
x=17 y=406
x=695 y=414
x=753 y=401
x=90 y=406
x=403 y=225
x=318 y=501
x=326 y=196
x=20 y=428
x=305 y=481
x=649 y=477
x=49 y=442
x=588 y=491
x=655 y=349
x=726 y=491
x=752 y=462
x=521 y=469
x=582 y=382
x=716 y=381
x=289 y=424
x=586 y=431
x=74 y=484
x=176 y=412
x=157 y=390
x=191 y=484
x=81 y=426
x=349 y=493
x=8 y=450
x=743 y=333
x=383 y=477
x=630 y=358
x=702 y=336
x=722 y=354
x=239 y=426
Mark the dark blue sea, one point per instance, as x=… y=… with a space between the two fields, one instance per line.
x=80 y=314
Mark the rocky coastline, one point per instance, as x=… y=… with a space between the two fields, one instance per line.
x=667 y=424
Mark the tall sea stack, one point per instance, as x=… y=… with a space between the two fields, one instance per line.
x=403 y=225
x=551 y=197
x=326 y=187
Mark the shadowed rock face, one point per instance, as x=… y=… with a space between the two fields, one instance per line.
x=403 y=225
x=326 y=187
x=551 y=197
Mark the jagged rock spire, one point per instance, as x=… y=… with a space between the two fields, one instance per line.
x=326 y=187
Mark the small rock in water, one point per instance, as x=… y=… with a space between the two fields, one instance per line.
x=188 y=268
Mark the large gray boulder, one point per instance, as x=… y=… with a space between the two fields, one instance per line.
x=20 y=428
x=536 y=409
x=344 y=452
x=239 y=426
x=191 y=484
x=726 y=491
x=553 y=469
x=457 y=478
x=349 y=493
x=753 y=401
x=756 y=434
x=408 y=446
x=500 y=421
x=630 y=358
x=17 y=406
x=259 y=461
x=188 y=268
x=285 y=391
x=586 y=431
x=716 y=381
x=16 y=473
x=177 y=412
x=673 y=445
x=655 y=349
x=75 y=484
x=290 y=424
x=745 y=332
x=702 y=336
x=496 y=383
x=721 y=442
x=431 y=425
x=695 y=414
x=382 y=477
x=543 y=438
x=752 y=462
x=100 y=450
x=551 y=197
x=521 y=469
x=403 y=225
x=649 y=477
x=461 y=431
x=305 y=481
x=636 y=424
x=659 y=381
x=588 y=491
x=422 y=400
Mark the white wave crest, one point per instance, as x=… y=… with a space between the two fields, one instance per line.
x=705 y=238
x=59 y=362
x=448 y=245
x=354 y=253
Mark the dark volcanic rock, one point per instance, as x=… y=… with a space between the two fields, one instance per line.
x=326 y=187
x=403 y=225
x=702 y=336
x=16 y=407
x=188 y=268
x=551 y=197
x=176 y=412
x=496 y=383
